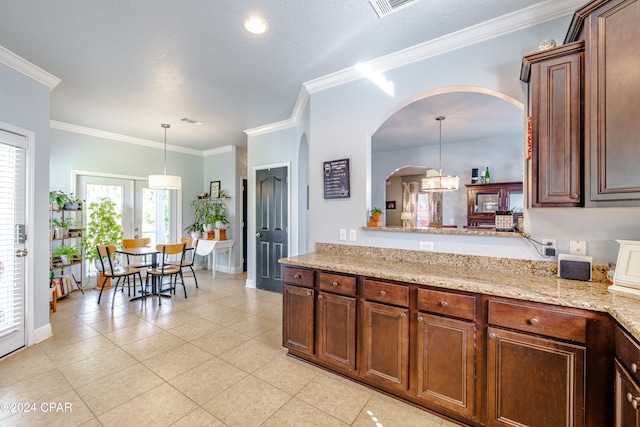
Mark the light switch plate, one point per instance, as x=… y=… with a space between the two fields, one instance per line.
x=343 y=234
x=352 y=235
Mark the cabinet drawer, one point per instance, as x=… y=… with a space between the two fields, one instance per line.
x=386 y=293
x=447 y=303
x=628 y=351
x=337 y=284
x=540 y=321
x=299 y=276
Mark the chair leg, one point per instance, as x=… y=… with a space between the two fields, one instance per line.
x=115 y=291
x=194 y=275
x=102 y=288
x=182 y=280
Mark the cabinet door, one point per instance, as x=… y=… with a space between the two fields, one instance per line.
x=612 y=124
x=556 y=130
x=336 y=325
x=534 y=381
x=445 y=356
x=385 y=345
x=627 y=399
x=297 y=321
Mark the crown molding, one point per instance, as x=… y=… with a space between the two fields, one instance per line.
x=505 y=24
x=219 y=150
x=298 y=110
x=25 y=67
x=68 y=127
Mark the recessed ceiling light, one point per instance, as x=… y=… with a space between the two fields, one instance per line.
x=255 y=24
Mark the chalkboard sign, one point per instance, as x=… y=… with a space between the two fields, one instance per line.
x=336 y=179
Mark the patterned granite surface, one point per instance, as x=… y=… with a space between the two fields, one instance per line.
x=445 y=230
x=512 y=278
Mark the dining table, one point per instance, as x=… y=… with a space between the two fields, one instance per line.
x=143 y=251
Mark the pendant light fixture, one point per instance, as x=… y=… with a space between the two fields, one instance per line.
x=165 y=182
x=436 y=183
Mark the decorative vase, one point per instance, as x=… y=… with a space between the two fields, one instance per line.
x=65 y=259
x=208 y=228
x=376 y=216
x=195 y=234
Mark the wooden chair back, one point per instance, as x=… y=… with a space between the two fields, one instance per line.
x=136 y=243
x=189 y=242
x=106 y=252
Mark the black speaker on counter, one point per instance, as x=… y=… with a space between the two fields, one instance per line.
x=474 y=175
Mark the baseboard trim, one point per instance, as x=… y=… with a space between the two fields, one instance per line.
x=42 y=333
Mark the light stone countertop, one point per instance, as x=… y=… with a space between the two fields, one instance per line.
x=475 y=276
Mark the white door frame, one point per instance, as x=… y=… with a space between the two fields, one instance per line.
x=29 y=268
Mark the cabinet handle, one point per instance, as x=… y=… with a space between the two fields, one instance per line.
x=420 y=319
x=634 y=368
x=308 y=293
x=633 y=401
x=492 y=335
x=383 y=293
x=296 y=276
x=403 y=315
x=575 y=196
x=319 y=296
x=444 y=303
x=335 y=283
x=534 y=321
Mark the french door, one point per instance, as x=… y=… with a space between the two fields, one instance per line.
x=145 y=212
x=13 y=199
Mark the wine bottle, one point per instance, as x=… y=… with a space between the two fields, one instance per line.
x=487 y=176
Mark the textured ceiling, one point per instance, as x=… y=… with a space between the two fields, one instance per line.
x=128 y=65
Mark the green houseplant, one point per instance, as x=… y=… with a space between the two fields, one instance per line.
x=66 y=253
x=103 y=227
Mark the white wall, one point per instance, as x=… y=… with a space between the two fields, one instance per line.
x=343 y=118
x=24 y=103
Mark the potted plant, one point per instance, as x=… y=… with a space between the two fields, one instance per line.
x=61 y=226
x=72 y=203
x=103 y=228
x=57 y=199
x=66 y=253
x=194 y=230
x=204 y=212
x=376 y=214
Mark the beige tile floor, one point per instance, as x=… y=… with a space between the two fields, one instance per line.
x=213 y=359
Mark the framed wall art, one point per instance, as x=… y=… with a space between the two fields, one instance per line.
x=214 y=189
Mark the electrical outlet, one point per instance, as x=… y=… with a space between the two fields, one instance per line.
x=343 y=234
x=549 y=247
x=352 y=235
x=577 y=247
x=426 y=246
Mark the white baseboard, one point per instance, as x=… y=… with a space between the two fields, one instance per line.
x=250 y=284
x=42 y=333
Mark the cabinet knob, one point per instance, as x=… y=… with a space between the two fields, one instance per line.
x=444 y=303
x=296 y=276
x=383 y=293
x=575 y=196
x=319 y=296
x=403 y=316
x=335 y=283
x=634 y=368
x=420 y=319
x=634 y=403
x=492 y=335
x=534 y=321
x=308 y=293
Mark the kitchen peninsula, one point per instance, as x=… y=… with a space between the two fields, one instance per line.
x=484 y=341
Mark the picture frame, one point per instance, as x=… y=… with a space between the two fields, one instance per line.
x=391 y=204
x=214 y=189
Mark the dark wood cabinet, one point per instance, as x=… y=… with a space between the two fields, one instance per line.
x=298 y=318
x=483 y=200
x=446 y=363
x=612 y=37
x=534 y=381
x=336 y=321
x=555 y=79
x=627 y=383
x=385 y=345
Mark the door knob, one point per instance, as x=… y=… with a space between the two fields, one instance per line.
x=21 y=253
x=257 y=234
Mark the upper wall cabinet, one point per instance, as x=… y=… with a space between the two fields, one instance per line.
x=609 y=110
x=555 y=79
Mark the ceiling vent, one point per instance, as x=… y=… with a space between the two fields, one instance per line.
x=386 y=7
x=191 y=121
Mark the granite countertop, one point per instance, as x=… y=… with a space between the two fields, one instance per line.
x=516 y=283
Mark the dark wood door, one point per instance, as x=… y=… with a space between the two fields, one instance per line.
x=534 y=381
x=627 y=395
x=385 y=345
x=336 y=330
x=556 y=126
x=612 y=125
x=445 y=358
x=297 y=319
x=271 y=227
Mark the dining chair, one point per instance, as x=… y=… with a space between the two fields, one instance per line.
x=190 y=253
x=110 y=271
x=145 y=263
x=166 y=269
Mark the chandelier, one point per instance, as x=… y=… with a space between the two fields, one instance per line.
x=434 y=181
